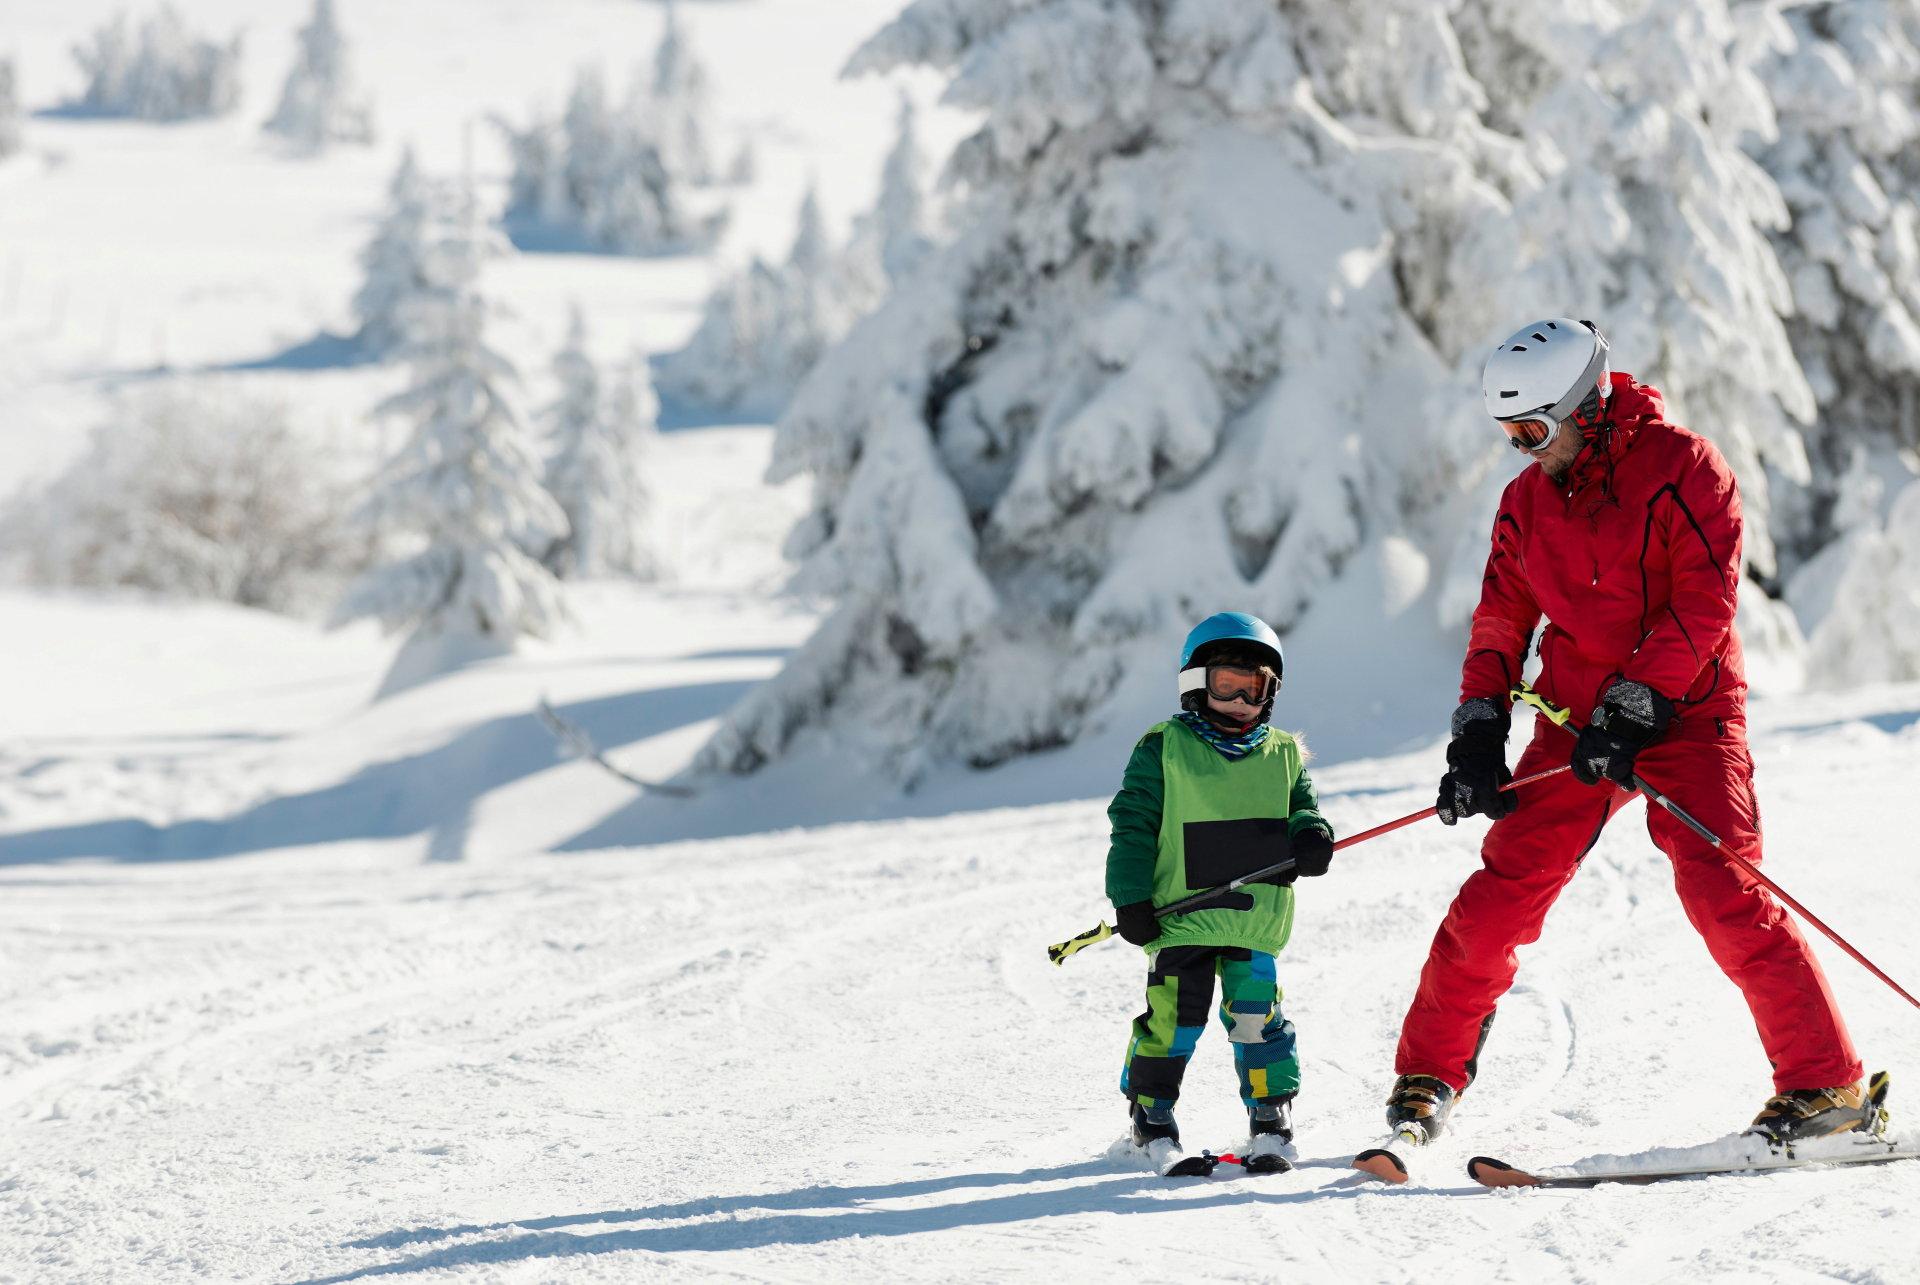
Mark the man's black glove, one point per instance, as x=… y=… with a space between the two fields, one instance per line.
x=1136 y=923
x=1312 y=853
x=1629 y=717
x=1477 y=763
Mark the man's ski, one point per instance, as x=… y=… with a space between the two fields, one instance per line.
x=1743 y=1153
x=1387 y=1161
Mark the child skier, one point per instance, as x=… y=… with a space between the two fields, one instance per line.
x=1211 y=794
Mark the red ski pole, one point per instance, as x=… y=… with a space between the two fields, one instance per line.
x=1564 y=718
x=1063 y=951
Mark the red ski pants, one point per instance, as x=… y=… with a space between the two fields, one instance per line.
x=1529 y=856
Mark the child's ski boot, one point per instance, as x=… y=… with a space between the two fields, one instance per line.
x=1155 y=1133
x=1270 y=1129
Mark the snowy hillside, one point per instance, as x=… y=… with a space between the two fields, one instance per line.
x=841 y=1054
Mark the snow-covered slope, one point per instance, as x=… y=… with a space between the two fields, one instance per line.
x=841 y=1054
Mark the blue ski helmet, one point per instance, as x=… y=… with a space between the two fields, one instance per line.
x=1234 y=628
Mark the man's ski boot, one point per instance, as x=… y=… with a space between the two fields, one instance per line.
x=1800 y=1114
x=1270 y=1130
x=1155 y=1133
x=1418 y=1108
x=1417 y=1111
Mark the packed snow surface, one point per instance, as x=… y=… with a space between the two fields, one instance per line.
x=817 y=1054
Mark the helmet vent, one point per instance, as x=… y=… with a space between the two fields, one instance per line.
x=1538 y=337
x=1510 y=392
x=1551 y=325
x=1519 y=348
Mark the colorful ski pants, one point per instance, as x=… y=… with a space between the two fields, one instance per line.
x=1179 y=997
x=1529 y=856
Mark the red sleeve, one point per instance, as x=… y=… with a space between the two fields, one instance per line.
x=1698 y=517
x=1503 y=622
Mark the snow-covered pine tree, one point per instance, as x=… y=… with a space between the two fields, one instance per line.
x=1644 y=212
x=465 y=488
x=1871 y=634
x=894 y=234
x=1845 y=82
x=318 y=103
x=164 y=73
x=600 y=174
x=393 y=263
x=765 y=327
x=9 y=111
x=597 y=471
x=1162 y=369
x=677 y=105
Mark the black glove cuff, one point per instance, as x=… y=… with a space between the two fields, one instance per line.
x=1481 y=716
x=1633 y=713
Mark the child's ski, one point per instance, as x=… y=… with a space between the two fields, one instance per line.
x=1170 y=1162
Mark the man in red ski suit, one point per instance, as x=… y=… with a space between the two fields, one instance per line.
x=1626 y=537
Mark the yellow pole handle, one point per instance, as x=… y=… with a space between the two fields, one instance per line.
x=1523 y=694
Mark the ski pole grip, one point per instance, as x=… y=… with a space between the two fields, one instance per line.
x=1522 y=694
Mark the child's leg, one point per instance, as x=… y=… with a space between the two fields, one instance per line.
x=1179 y=993
x=1263 y=1040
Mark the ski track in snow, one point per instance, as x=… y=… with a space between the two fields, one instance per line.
x=841 y=1054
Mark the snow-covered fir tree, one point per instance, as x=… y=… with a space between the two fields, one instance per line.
x=164 y=72
x=764 y=328
x=319 y=104
x=678 y=105
x=894 y=233
x=1871 y=631
x=1212 y=322
x=9 y=111
x=1131 y=390
x=636 y=178
x=597 y=470
x=464 y=492
x=393 y=264
x=1845 y=82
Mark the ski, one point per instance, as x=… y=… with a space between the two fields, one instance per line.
x=1169 y=1161
x=1743 y=1153
x=1386 y=1161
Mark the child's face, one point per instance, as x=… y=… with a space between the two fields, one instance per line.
x=1239 y=709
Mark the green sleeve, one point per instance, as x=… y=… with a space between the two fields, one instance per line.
x=1303 y=809
x=1135 y=813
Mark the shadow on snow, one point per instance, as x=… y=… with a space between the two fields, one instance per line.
x=397 y=798
x=847 y=1214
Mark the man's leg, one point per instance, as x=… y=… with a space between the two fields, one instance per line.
x=1525 y=862
x=1179 y=996
x=1264 y=1049
x=1748 y=933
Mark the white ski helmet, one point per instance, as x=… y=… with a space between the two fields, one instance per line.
x=1546 y=370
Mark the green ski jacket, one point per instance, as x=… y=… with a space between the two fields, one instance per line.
x=1188 y=818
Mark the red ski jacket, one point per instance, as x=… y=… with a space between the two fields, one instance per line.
x=1634 y=562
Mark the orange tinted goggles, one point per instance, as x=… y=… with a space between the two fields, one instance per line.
x=1225 y=682
x=1527 y=434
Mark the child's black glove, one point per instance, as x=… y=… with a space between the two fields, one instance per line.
x=1312 y=853
x=1136 y=923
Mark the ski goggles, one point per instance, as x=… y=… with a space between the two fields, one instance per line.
x=1231 y=682
x=1529 y=435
